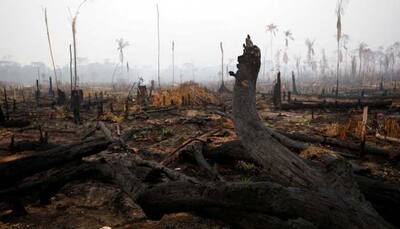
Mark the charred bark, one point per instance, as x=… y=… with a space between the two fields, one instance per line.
x=336 y=188
x=13 y=171
x=336 y=105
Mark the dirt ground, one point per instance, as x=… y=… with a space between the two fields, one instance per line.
x=91 y=204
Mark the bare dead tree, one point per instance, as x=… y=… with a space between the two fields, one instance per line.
x=158 y=48
x=361 y=49
x=74 y=20
x=173 y=63
x=288 y=36
x=50 y=47
x=339 y=14
x=121 y=43
x=272 y=29
x=74 y=43
x=222 y=64
x=345 y=41
x=70 y=66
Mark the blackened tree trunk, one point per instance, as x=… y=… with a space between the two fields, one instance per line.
x=294 y=84
x=37 y=94
x=277 y=96
x=76 y=106
x=2 y=117
x=99 y=104
x=6 y=105
x=336 y=188
x=51 y=91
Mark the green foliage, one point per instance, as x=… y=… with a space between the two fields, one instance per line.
x=246 y=166
x=166 y=132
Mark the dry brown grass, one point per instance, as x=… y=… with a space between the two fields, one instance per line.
x=343 y=131
x=198 y=95
x=391 y=128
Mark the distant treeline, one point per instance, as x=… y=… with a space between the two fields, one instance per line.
x=14 y=72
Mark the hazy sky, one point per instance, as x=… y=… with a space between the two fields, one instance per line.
x=197 y=26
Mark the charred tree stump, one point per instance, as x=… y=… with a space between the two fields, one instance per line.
x=126 y=106
x=23 y=95
x=2 y=117
x=6 y=105
x=89 y=103
x=14 y=105
x=277 y=96
x=76 y=106
x=294 y=88
x=51 y=91
x=61 y=97
x=163 y=101
x=183 y=101
x=99 y=101
x=336 y=188
x=37 y=93
x=111 y=107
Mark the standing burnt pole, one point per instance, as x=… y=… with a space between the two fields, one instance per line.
x=6 y=105
x=277 y=96
x=37 y=93
x=294 y=88
x=51 y=91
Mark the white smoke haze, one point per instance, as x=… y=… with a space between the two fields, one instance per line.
x=197 y=27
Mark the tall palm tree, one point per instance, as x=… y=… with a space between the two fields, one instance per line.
x=50 y=47
x=339 y=14
x=288 y=36
x=345 y=43
x=158 y=48
x=395 y=49
x=272 y=29
x=173 y=63
x=310 y=51
x=121 y=44
x=361 y=49
x=74 y=20
x=222 y=64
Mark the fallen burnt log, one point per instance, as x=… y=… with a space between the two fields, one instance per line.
x=15 y=123
x=24 y=145
x=298 y=141
x=15 y=170
x=42 y=186
x=139 y=179
x=334 y=142
x=384 y=195
x=378 y=104
x=243 y=199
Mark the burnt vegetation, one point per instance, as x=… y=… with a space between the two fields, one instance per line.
x=266 y=148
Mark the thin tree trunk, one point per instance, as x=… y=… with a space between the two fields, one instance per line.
x=337 y=69
x=222 y=65
x=70 y=66
x=173 y=63
x=74 y=42
x=158 y=48
x=50 y=47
